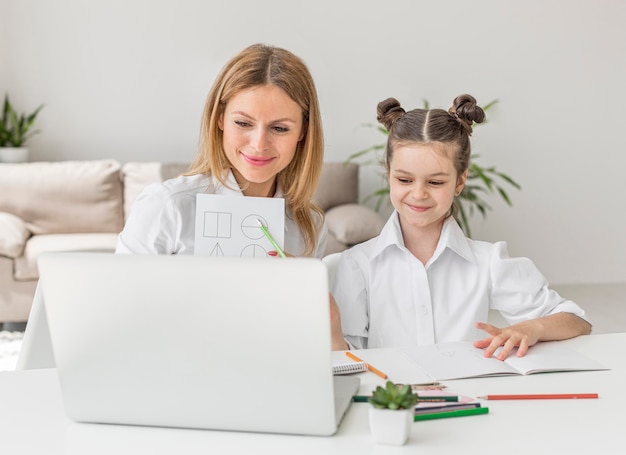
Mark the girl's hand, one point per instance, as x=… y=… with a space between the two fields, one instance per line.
x=522 y=336
x=558 y=326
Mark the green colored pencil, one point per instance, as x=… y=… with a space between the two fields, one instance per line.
x=458 y=413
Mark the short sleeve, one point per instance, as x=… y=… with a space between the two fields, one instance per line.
x=521 y=292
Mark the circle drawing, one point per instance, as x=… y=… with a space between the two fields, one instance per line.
x=253 y=251
x=250 y=226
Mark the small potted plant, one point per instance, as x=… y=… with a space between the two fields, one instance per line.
x=15 y=130
x=391 y=414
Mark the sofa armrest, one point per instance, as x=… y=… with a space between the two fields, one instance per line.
x=13 y=235
x=353 y=223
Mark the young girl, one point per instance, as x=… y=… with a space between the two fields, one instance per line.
x=421 y=281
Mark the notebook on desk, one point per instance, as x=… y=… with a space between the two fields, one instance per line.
x=194 y=342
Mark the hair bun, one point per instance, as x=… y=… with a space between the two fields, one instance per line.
x=467 y=112
x=388 y=112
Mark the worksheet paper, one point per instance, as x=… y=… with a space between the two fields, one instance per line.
x=459 y=360
x=228 y=226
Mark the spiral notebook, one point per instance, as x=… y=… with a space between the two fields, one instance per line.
x=349 y=368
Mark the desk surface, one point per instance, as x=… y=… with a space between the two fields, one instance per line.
x=32 y=420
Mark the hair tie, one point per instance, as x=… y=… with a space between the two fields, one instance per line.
x=464 y=123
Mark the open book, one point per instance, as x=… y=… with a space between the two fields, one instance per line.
x=459 y=360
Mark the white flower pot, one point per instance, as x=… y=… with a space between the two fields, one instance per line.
x=13 y=154
x=389 y=426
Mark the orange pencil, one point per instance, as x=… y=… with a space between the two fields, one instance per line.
x=369 y=367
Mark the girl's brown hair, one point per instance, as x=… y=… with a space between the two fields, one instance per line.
x=452 y=127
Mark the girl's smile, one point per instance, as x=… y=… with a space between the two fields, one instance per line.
x=422 y=184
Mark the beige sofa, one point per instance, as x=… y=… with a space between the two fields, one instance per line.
x=82 y=205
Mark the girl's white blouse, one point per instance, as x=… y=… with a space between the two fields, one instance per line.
x=388 y=298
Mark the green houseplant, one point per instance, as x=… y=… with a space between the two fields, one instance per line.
x=481 y=180
x=391 y=414
x=15 y=130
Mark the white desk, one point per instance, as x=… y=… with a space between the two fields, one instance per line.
x=32 y=420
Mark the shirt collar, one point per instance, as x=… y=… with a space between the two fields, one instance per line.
x=232 y=187
x=452 y=237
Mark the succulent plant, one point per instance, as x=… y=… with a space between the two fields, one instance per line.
x=393 y=396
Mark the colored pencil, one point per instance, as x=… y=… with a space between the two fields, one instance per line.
x=435 y=399
x=445 y=414
x=539 y=396
x=445 y=408
x=271 y=239
x=369 y=367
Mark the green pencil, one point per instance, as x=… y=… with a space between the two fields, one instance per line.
x=433 y=398
x=271 y=239
x=458 y=413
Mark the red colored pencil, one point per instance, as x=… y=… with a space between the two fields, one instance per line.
x=547 y=396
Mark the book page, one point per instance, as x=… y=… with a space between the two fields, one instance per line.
x=461 y=360
x=457 y=360
x=551 y=357
x=393 y=362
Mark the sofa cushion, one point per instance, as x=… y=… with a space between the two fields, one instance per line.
x=354 y=223
x=64 y=196
x=137 y=175
x=13 y=235
x=26 y=265
x=338 y=184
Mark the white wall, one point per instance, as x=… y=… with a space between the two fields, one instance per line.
x=127 y=79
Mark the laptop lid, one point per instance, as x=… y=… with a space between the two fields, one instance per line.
x=193 y=342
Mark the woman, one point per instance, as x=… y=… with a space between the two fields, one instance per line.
x=261 y=136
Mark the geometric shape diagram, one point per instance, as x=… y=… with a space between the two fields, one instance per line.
x=217 y=224
x=250 y=226
x=217 y=251
x=254 y=251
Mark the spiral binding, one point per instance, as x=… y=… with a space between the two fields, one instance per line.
x=349 y=368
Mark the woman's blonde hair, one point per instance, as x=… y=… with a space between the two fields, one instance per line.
x=257 y=65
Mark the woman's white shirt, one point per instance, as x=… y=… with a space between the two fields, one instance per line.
x=388 y=298
x=162 y=218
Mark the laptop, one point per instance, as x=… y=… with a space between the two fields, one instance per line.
x=216 y=343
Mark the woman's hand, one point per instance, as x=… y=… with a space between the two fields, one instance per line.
x=338 y=341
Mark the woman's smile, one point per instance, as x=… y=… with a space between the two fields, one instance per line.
x=257 y=160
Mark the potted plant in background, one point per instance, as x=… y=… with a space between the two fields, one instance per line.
x=15 y=130
x=392 y=412
x=481 y=180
